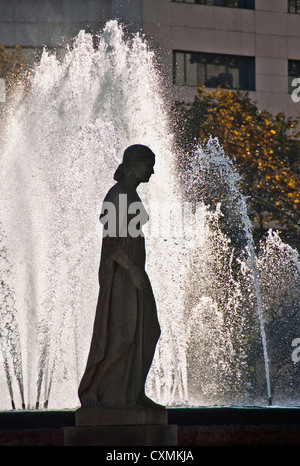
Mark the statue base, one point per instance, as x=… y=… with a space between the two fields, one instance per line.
x=94 y=416
x=120 y=427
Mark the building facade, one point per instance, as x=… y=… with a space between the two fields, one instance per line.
x=252 y=45
x=247 y=44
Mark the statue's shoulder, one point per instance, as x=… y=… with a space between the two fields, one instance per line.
x=113 y=194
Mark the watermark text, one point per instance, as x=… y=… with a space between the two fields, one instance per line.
x=296 y=92
x=2 y=91
x=296 y=351
x=122 y=218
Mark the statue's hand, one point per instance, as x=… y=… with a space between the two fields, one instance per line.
x=138 y=277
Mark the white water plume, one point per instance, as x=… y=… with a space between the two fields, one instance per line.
x=64 y=138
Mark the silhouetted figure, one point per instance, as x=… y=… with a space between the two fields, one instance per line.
x=126 y=328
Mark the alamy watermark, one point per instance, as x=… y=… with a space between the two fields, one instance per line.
x=296 y=352
x=2 y=90
x=167 y=219
x=296 y=92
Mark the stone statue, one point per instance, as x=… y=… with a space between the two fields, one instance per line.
x=126 y=328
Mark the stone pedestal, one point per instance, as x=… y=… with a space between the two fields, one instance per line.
x=120 y=427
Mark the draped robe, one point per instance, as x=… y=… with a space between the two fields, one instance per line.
x=126 y=327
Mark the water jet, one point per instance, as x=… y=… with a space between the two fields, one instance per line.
x=63 y=139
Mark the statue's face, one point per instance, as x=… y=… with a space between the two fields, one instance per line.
x=143 y=170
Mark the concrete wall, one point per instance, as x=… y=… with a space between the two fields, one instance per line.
x=34 y=23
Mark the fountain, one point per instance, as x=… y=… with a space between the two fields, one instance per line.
x=64 y=137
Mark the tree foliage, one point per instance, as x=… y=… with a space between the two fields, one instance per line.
x=265 y=148
x=12 y=66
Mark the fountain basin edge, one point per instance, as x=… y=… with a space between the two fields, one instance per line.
x=201 y=426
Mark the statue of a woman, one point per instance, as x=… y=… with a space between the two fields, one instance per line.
x=126 y=327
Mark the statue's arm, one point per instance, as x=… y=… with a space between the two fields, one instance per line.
x=118 y=254
x=115 y=215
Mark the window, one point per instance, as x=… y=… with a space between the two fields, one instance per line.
x=294 y=6
x=294 y=72
x=248 y=4
x=212 y=70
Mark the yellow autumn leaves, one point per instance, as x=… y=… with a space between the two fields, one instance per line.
x=266 y=149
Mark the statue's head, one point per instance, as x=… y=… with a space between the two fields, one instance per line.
x=138 y=161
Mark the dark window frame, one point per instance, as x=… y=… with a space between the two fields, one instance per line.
x=245 y=65
x=245 y=4
x=294 y=6
x=293 y=72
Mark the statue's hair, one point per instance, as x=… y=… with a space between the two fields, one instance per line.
x=133 y=154
x=119 y=173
